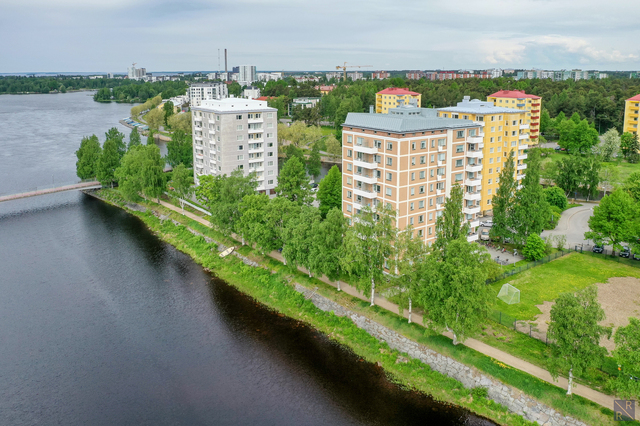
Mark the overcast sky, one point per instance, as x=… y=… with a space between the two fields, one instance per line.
x=169 y=35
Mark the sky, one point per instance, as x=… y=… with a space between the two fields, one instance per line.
x=287 y=35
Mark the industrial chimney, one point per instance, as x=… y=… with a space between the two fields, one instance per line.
x=225 y=61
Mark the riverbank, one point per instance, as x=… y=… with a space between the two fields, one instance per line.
x=417 y=376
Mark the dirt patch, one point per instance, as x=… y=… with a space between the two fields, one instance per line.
x=620 y=299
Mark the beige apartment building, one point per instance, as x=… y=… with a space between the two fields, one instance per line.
x=409 y=159
x=503 y=130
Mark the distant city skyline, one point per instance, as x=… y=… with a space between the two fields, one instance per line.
x=277 y=35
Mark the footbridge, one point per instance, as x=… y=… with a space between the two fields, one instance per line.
x=51 y=190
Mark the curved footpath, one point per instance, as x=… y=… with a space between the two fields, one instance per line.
x=542 y=374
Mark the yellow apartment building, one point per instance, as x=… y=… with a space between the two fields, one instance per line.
x=631 y=107
x=520 y=100
x=393 y=97
x=502 y=130
x=409 y=159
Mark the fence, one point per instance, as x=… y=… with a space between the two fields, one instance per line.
x=535 y=263
x=521 y=326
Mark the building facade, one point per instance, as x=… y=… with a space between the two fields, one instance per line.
x=247 y=75
x=380 y=75
x=503 y=130
x=532 y=104
x=200 y=92
x=631 y=107
x=251 y=92
x=394 y=97
x=409 y=159
x=231 y=134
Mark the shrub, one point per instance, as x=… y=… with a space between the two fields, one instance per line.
x=479 y=393
x=555 y=197
x=535 y=248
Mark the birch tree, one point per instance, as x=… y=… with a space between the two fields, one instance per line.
x=326 y=251
x=297 y=237
x=410 y=253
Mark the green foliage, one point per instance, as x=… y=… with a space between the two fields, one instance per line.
x=575 y=333
x=632 y=186
x=577 y=135
x=503 y=201
x=298 y=237
x=134 y=138
x=168 y=111
x=118 y=137
x=235 y=89
x=452 y=225
x=609 y=176
x=141 y=172
x=293 y=182
x=154 y=118
x=410 y=252
x=610 y=146
x=182 y=181
x=535 y=248
x=333 y=145
x=555 y=197
x=181 y=121
x=630 y=147
x=180 y=149
x=627 y=355
x=108 y=163
x=329 y=192
x=314 y=163
x=613 y=221
x=88 y=156
x=252 y=225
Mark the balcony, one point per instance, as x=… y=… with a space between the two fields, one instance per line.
x=473 y=168
x=442 y=148
x=521 y=166
x=534 y=110
x=471 y=210
x=365 y=177
x=439 y=206
x=473 y=196
x=479 y=123
x=440 y=178
x=534 y=130
x=535 y=117
x=255 y=120
x=520 y=176
x=365 y=148
x=440 y=163
x=365 y=164
x=481 y=145
x=474 y=223
x=522 y=157
x=472 y=237
x=522 y=137
x=256 y=169
x=256 y=150
x=476 y=139
x=199 y=156
x=474 y=154
x=537 y=104
x=473 y=182
x=523 y=146
x=261 y=130
x=198 y=137
x=253 y=160
x=524 y=126
x=366 y=193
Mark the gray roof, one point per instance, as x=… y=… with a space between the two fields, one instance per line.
x=476 y=106
x=403 y=123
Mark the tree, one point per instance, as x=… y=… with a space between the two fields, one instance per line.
x=611 y=145
x=613 y=220
x=582 y=137
x=590 y=176
x=368 y=243
x=222 y=196
x=531 y=210
x=632 y=186
x=503 y=201
x=545 y=121
x=333 y=145
x=575 y=333
x=235 y=89
x=569 y=174
x=452 y=289
x=118 y=137
x=141 y=172
x=314 y=163
x=134 y=138
x=277 y=215
x=154 y=118
x=298 y=238
x=167 y=108
x=555 y=197
x=180 y=149
x=535 y=248
x=451 y=225
x=252 y=224
x=151 y=137
x=182 y=181
x=88 y=155
x=181 y=121
x=326 y=251
x=609 y=176
x=629 y=146
x=627 y=355
x=108 y=163
x=411 y=252
x=293 y=182
x=330 y=191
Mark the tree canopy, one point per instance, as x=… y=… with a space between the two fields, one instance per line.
x=88 y=155
x=330 y=191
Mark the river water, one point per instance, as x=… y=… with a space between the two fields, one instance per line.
x=101 y=323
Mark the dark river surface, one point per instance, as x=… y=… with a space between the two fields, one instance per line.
x=101 y=323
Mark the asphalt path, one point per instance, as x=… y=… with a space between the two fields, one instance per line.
x=573 y=223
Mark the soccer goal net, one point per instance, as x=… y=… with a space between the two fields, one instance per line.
x=509 y=294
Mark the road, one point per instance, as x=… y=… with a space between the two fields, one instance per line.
x=573 y=223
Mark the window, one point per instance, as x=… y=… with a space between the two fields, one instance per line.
x=270 y=163
x=349 y=181
x=359 y=141
x=413 y=161
x=239 y=127
x=269 y=126
x=489 y=191
x=269 y=144
x=492 y=139
x=430 y=228
x=389 y=176
x=240 y=167
x=460 y=134
x=488 y=201
x=421 y=218
x=489 y=181
x=423 y=159
x=240 y=147
x=493 y=129
x=269 y=135
x=421 y=204
x=433 y=143
x=459 y=148
x=440 y=171
x=389 y=161
x=348 y=194
x=442 y=142
x=499 y=138
x=491 y=150
x=413 y=176
x=431 y=172
x=490 y=171
x=410 y=206
x=458 y=163
x=349 y=153
x=218 y=119
x=497 y=169
x=239 y=117
x=411 y=220
x=472 y=132
x=269 y=115
x=270 y=182
x=240 y=157
x=422 y=174
x=349 y=207
x=420 y=233
x=389 y=146
x=423 y=144
x=413 y=191
x=270 y=154
x=388 y=192
x=349 y=138
x=441 y=157
x=421 y=189
x=458 y=177
x=239 y=137
x=433 y=158
x=431 y=188
x=491 y=160
x=430 y=202
x=270 y=173
x=413 y=146
x=349 y=166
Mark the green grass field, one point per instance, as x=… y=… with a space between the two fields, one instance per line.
x=624 y=168
x=566 y=274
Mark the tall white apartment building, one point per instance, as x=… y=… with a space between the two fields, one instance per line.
x=207 y=91
x=235 y=133
x=269 y=76
x=409 y=159
x=247 y=75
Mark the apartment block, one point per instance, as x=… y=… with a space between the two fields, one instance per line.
x=235 y=133
x=394 y=97
x=503 y=130
x=247 y=75
x=532 y=104
x=380 y=75
x=630 y=123
x=200 y=92
x=409 y=159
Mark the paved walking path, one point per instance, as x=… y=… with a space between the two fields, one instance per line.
x=483 y=348
x=83 y=185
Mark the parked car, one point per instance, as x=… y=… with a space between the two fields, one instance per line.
x=484 y=235
x=314 y=187
x=557 y=148
x=626 y=252
x=636 y=256
x=487 y=223
x=598 y=248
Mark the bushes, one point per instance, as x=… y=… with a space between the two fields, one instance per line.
x=555 y=197
x=535 y=248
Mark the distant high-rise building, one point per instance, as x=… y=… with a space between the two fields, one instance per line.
x=520 y=100
x=247 y=75
x=235 y=70
x=234 y=133
x=380 y=75
x=394 y=97
x=136 y=73
x=199 y=92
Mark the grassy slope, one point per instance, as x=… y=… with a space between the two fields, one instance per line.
x=623 y=167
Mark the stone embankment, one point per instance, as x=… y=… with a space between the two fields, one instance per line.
x=512 y=398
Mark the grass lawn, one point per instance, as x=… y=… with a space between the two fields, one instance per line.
x=328 y=130
x=566 y=274
x=623 y=167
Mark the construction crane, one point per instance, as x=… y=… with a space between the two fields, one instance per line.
x=345 y=66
